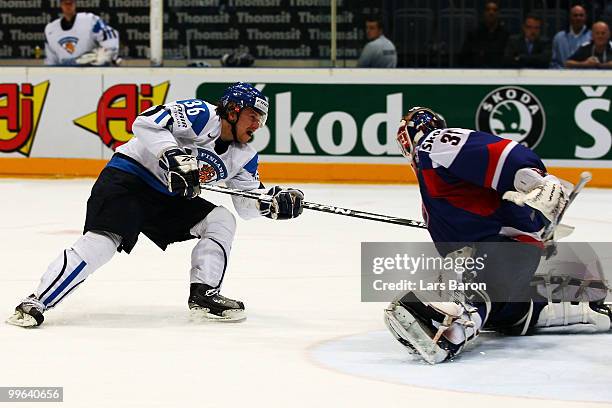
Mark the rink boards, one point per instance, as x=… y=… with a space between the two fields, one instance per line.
x=325 y=125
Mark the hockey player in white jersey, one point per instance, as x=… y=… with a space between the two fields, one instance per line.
x=151 y=185
x=490 y=197
x=80 y=39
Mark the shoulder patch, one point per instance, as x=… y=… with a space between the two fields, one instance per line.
x=179 y=116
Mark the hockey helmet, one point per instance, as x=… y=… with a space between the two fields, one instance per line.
x=418 y=122
x=243 y=95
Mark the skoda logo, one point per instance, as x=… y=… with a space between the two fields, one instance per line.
x=513 y=113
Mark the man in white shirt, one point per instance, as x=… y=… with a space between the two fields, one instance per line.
x=380 y=51
x=80 y=39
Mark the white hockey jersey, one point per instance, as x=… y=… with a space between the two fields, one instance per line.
x=64 y=43
x=194 y=126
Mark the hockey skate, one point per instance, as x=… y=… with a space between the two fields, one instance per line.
x=205 y=302
x=28 y=313
x=435 y=331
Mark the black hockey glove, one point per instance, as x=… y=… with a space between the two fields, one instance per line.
x=182 y=171
x=286 y=204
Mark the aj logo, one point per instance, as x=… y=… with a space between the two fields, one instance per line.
x=20 y=111
x=69 y=43
x=117 y=109
x=513 y=113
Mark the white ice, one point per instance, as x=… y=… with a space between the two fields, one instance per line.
x=123 y=339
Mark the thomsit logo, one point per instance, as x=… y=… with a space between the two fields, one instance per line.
x=20 y=109
x=117 y=109
x=513 y=113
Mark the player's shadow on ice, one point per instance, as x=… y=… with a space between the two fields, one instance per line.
x=156 y=317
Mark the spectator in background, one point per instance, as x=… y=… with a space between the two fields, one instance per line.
x=595 y=54
x=80 y=39
x=566 y=42
x=380 y=51
x=484 y=47
x=527 y=50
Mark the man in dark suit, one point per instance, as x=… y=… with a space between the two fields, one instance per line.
x=594 y=54
x=484 y=47
x=527 y=50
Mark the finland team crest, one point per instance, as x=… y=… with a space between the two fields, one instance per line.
x=212 y=167
x=69 y=43
x=513 y=113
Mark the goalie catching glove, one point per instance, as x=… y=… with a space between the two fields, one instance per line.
x=285 y=204
x=182 y=172
x=547 y=194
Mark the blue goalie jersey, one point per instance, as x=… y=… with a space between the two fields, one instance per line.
x=463 y=175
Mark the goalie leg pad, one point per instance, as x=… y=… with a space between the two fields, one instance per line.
x=405 y=328
x=210 y=255
x=566 y=317
x=436 y=331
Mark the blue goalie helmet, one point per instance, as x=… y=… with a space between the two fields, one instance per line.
x=418 y=122
x=244 y=95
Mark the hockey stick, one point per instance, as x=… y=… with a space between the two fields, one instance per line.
x=549 y=231
x=320 y=207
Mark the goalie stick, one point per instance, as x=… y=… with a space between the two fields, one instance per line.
x=320 y=207
x=549 y=231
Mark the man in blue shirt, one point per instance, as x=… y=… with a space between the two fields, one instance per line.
x=566 y=42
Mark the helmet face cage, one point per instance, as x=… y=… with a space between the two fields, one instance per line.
x=417 y=123
x=404 y=142
x=243 y=95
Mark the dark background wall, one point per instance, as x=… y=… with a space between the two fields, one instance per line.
x=426 y=33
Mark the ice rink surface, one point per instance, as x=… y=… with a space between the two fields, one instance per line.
x=124 y=338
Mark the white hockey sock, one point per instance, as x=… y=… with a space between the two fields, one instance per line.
x=210 y=256
x=75 y=264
